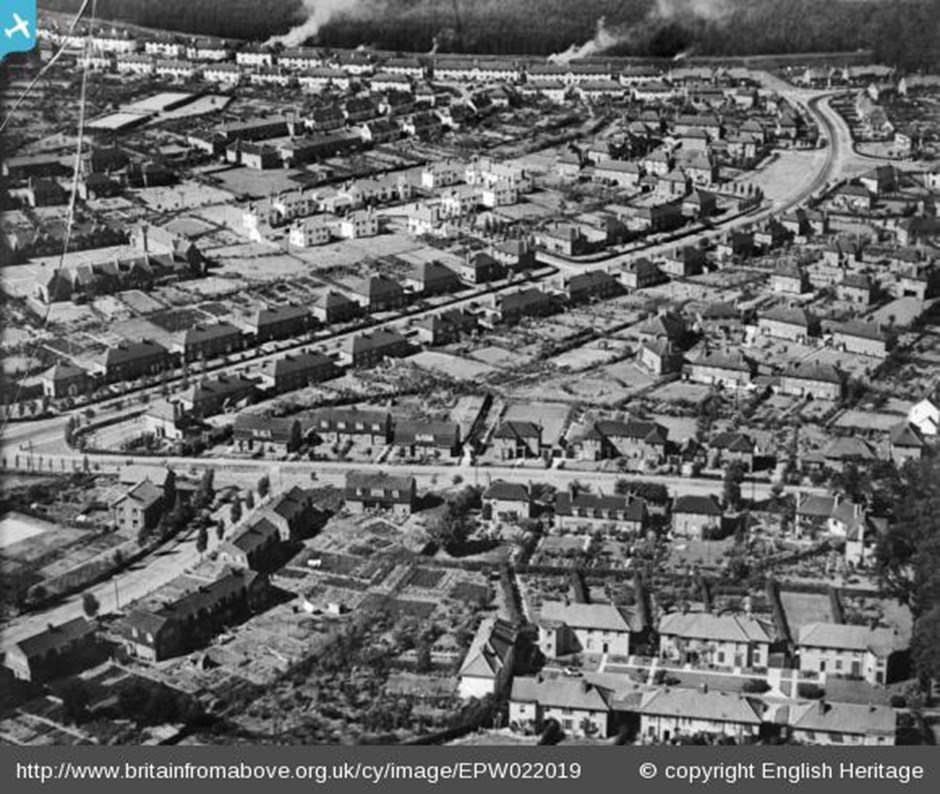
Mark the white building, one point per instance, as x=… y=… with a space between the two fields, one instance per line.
x=487 y=667
x=362 y=223
x=925 y=416
x=668 y=713
x=582 y=709
x=588 y=628
x=848 y=650
x=310 y=232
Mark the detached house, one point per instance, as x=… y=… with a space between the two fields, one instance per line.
x=693 y=516
x=508 y=500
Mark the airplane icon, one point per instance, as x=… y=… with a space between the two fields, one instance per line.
x=21 y=26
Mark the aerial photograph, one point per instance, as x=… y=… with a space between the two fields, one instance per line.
x=470 y=373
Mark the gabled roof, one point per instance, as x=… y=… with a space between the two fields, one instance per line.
x=853 y=718
x=55 y=637
x=787 y=316
x=697 y=505
x=503 y=491
x=631 y=509
x=850 y=448
x=517 y=430
x=880 y=641
x=693 y=704
x=380 y=481
x=144 y=493
x=258 y=534
x=599 y=617
x=813 y=371
x=649 y=432
x=561 y=693
x=717 y=359
x=491 y=649
x=722 y=628
x=733 y=442
x=904 y=434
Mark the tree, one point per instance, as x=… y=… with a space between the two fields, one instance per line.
x=250 y=501
x=235 y=513
x=220 y=530
x=90 y=605
x=264 y=486
x=143 y=535
x=202 y=540
x=734 y=476
x=169 y=489
x=75 y=699
x=925 y=646
x=205 y=493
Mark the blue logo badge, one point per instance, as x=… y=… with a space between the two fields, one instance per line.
x=17 y=26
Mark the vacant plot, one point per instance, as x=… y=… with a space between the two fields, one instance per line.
x=803 y=608
x=452 y=366
x=500 y=357
x=185 y=195
x=140 y=302
x=681 y=391
x=15 y=527
x=553 y=418
x=424 y=578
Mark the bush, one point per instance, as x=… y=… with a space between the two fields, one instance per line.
x=755 y=686
x=898 y=702
x=810 y=691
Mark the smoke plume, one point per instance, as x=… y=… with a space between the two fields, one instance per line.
x=662 y=14
x=318 y=12
x=604 y=39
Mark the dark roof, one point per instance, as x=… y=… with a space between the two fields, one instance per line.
x=515 y=430
x=258 y=534
x=814 y=371
x=441 y=434
x=279 y=314
x=600 y=506
x=649 y=432
x=733 y=442
x=697 y=505
x=503 y=491
x=379 y=481
x=55 y=637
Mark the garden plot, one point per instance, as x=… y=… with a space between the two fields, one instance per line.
x=500 y=358
x=454 y=367
x=553 y=418
x=140 y=302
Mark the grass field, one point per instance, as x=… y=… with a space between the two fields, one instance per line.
x=15 y=527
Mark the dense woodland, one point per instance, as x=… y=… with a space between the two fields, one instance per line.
x=902 y=32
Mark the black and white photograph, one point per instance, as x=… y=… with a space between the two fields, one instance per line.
x=497 y=373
